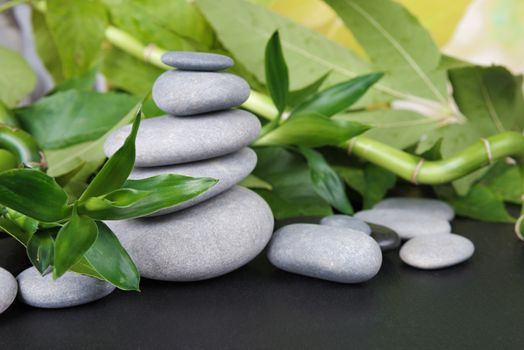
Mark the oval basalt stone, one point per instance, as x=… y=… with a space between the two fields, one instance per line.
x=197 y=61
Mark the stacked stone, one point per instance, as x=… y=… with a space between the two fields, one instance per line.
x=202 y=136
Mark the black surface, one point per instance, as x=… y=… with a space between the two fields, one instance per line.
x=476 y=305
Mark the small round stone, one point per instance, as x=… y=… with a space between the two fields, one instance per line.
x=347 y=222
x=197 y=61
x=71 y=289
x=8 y=289
x=407 y=224
x=436 y=251
x=433 y=207
x=386 y=238
x=172 y=140
x=184 y=93
x=325 y=252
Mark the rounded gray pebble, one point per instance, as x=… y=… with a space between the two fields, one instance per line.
x=71 y=289
x=8 y=289
x=197 y=61
x=228 y=170
x=386 y=238
x=172 y=140
x=183 y=93
x=201 y=242
x=347 y=222
x=428 y=206
x=407 y=224
x=436 y=251
x=326 y=252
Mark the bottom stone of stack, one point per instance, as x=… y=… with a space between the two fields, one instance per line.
x=201 y=242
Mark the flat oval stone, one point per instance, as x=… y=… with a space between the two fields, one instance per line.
x=185 y=93
x=71 y=289
x=201 y=242
x=197 y=61
x=386 y=238
x=436 y=251
x=171 y=140
x=433 y=207
x=8 y=289
x=326 y=252
x=228 y=170
x=347 y=222
x=407 y=224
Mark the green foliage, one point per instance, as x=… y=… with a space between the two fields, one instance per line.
x=276 y=74
x=41 y=250
x=16 y=78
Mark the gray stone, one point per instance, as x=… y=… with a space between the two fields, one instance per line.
x=407 y=224
x=347 y=222
x=185 y=93
x=436 y=251
x=8 y=289
x=171 y=140
x=433 y=207
x=71 y=289
x=228 y=170
x=326 y=252
x=197 y=61
x=201 y=242
x=386 y=238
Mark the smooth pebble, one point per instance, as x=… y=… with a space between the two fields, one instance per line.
x=386 y=238
x=197 y=61
x=407 y=224
x=436 y=251
x=8 y=289
x=325 y=252
x=184 y=93
x=347 y=222
x=71 y=289
x=171 y=140
x=433 y=207
x=201 y=242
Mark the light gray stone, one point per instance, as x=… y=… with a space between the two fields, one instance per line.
x=71 y=289
x=201 y=242
x=407 y=224
x=197 y=61
x=436 y=251
x=325 y=252
x=185 y=93
x=347 y=222
x=228 y=170
x=8 y=289
x=171 y=140
x=433 y=207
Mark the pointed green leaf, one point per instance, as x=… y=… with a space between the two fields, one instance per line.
x=337 y=98
x=326 y=182
x=33 y=193
x=73 y=240
x=116 y=170
x=17 y=78
x=40 y=250
x=298 y=96
x=14 y=231
x=378 y=182
x=276 y=73
x=253 y=181
x=109 y=259
x=26 y=223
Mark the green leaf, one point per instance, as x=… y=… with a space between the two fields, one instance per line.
x=276 y=73
x=46 y=47
x=298 y=96
x=292 y=192
x=504 y=180
x=14 y=231
x=253 y=181
x=73 y=240
x=378 y=182
x=395 y=42
x=83 y=82
x=78 y=29
x=40 y=250
x=326 y=181
x=116 y=170
x=71 y=117
x=16 y=78
x=353 y=177
x=111 y=261
x=338 y=97
x=312 y=131
x=33 y=193
x=26 y=223
x=147 y=196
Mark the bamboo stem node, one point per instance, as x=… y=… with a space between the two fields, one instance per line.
x=148 y=51
x=487 y=147
x=517 y=228
x=417 y=171
x=351 y=144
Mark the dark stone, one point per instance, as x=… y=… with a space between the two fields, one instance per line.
x=386 y=238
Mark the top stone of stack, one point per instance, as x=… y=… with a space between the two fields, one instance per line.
x=197 y=61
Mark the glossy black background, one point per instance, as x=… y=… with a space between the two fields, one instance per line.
x=476 y=305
